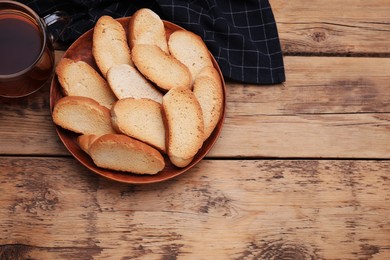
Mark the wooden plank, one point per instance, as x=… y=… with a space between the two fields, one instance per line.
x=309 y=136
x=349 y=27
x=319 y=85
x=259 y=209
x=328 y=107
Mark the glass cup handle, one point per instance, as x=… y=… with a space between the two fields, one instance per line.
x=56 y=23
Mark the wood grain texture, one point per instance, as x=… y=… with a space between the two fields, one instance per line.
x=328 y=107
x=310 y=136
x=350 y=27
x=252 y=209
x=228 y=207
x=319 y=85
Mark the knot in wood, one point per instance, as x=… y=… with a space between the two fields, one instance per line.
x=279 y=249
x=286 y=251
x=318 y=36
x=45 y=200
x=14 y=251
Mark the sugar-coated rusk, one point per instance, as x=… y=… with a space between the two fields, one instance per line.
x=159 y=67
x=146 y=27
x=140 y=119
x=189 y=49
x=123 y=153
x=82 y=115
x=109 y=44
x=185 y=127
x=209 y=92
x=78 y=78
x=126 y=81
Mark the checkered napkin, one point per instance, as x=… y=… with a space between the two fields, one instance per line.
x=241 y=34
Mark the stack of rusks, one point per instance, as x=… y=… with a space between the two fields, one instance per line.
x=152 y=96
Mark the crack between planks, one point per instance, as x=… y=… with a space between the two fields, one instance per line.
x=221 y=158
x=340 y=25
x=338 y=54
x=19 y=249
x=274 y=158
x=312 y=114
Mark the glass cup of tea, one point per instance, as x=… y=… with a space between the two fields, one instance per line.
x=26 y=50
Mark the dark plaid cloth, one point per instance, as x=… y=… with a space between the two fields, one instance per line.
x=241 y=34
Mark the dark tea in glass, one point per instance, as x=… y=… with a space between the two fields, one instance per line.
x=26 y=53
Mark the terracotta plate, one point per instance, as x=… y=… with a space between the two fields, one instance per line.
x=81 y=49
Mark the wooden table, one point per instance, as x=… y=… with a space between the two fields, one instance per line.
x=300 y=171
